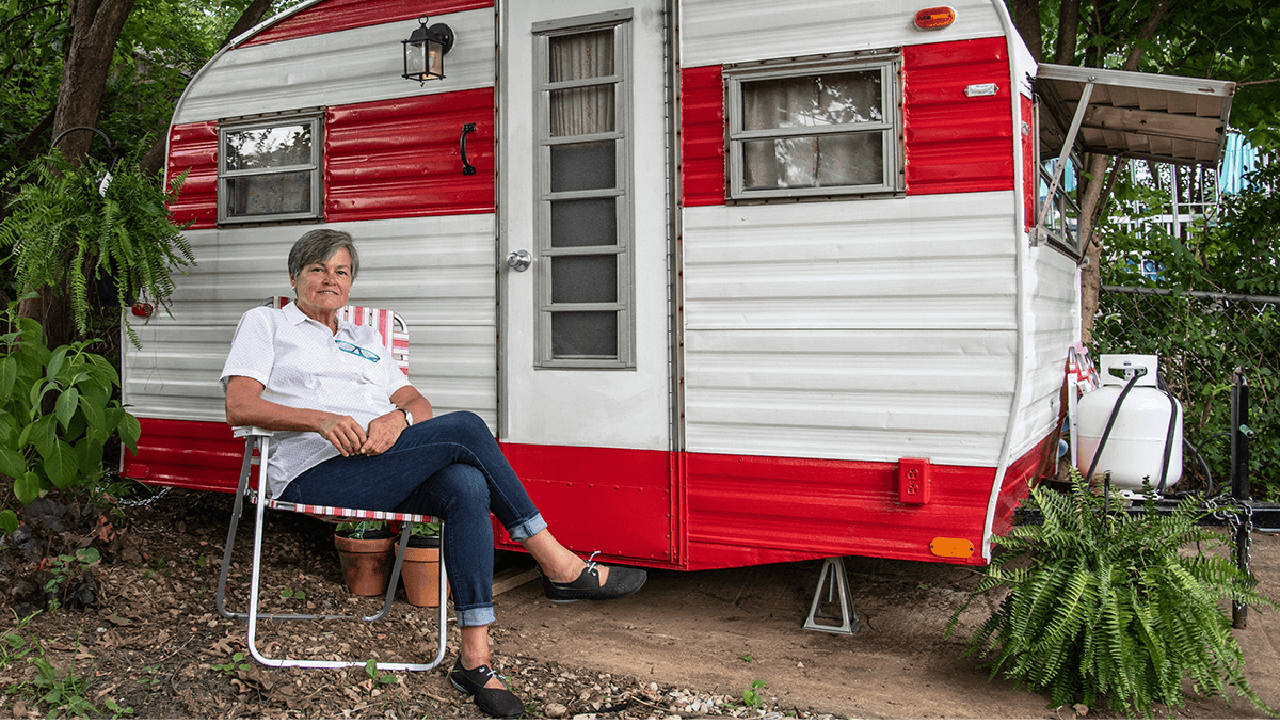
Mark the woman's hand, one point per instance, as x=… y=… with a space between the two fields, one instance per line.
x=344 y=432
x=383 y=433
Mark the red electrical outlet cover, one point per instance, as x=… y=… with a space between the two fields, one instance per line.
x=913 y=480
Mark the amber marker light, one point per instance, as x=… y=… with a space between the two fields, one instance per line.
x=935 y=18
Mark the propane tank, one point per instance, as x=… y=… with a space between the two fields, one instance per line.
x=1135 y=447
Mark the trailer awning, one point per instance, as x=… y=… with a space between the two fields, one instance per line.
x=1135 y=114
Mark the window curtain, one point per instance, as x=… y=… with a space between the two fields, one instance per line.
x=808 y=102
x=581 y=110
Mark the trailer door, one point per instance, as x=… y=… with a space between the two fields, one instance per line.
x=585 y=390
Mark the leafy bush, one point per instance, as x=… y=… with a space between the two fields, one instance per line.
x=359 y=528
x=63 y=448
x=1108 y=607
x=81 y=224
x=1200 y=341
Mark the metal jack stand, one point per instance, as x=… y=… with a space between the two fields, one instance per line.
x=833 y=579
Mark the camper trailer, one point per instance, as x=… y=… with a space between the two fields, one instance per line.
x=732 y=282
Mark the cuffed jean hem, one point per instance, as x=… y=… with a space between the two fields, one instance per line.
x=475 y=617
x=527 y=529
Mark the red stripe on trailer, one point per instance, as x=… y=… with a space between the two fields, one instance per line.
x=691 y=511
x=187 y=454
x=752 y=510
x=337 y=15
x=1030 y=174
x=702 y=136
x=401 y=158
x=618 y=501
x=193 y=149
x=956 y=143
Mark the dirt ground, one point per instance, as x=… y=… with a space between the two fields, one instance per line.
x=688 y=645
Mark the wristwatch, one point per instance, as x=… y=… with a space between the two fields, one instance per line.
x=408 y=416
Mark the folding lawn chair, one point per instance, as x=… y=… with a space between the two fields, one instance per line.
x=256 y=447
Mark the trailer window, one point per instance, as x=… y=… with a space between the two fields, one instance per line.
x=814 y=128
x=584 y=229
x=269 y=170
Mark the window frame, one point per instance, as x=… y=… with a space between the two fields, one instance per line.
x=315 y=166
x=1058 y=235
x=889 y=63
x=622 y=135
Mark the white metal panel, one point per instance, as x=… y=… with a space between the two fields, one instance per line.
x=350 y=66
x=728 y=31
x=860 y=330
x=1052 y=325
x=436 y=272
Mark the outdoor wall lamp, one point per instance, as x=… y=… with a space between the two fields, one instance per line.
x=424 y=51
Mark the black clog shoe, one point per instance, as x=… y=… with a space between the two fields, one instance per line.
x=498 y=702
x=622 y=582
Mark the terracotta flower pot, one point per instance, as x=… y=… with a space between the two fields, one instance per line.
x=366 y=562
x=421 y=572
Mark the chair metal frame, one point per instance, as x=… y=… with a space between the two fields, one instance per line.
x=256 y=447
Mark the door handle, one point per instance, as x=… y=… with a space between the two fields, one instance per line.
x=519 y=260
x=467 y=168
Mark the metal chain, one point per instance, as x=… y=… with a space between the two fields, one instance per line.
x=146 y=501
x=1231 y=513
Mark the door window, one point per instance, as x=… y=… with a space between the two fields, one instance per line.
x=585 y=290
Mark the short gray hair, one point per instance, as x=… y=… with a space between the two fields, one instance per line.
x=317 y=246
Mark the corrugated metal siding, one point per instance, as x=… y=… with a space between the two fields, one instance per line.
x=1053 y=323
x=702 y=136
x=956 y=143
x=953 y=143
x=337 y=15
x=193 y=149
x=749 y=510
x=631 y=494
x=861 y=330
x=715 y=32
x=400 y=158
x=338 y=68
x=436 y=272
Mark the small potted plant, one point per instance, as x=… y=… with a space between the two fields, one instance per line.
x=420 y=569
x=364 y=549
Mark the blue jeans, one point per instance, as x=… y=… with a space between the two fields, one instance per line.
x=449 y=466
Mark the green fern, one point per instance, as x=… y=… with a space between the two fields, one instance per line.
x=63 y=232
x=1102 y=605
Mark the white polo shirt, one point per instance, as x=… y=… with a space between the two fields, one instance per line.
x=302 y=364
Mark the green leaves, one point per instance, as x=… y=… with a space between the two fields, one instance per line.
x=1107 y=605
x=1201 y=340
x=62 y=448
x=63 y=233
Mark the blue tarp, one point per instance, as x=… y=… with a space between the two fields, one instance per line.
x=1240 y=157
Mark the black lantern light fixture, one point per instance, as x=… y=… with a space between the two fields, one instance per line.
x=424 y=51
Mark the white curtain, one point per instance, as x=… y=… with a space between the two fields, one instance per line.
x=582 y=110
x=813 y=160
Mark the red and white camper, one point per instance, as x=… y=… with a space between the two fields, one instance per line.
x=733 y=282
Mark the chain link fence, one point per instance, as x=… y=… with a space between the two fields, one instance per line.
x=1201 y=338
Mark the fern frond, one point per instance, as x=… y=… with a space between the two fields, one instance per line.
x=1107 y=609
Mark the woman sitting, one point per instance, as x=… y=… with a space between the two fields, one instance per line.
x=352 y=432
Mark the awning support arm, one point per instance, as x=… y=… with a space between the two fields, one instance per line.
x=1067 y=144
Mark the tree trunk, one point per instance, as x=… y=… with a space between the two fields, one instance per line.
x=1026 y=17
x=1091 y=277
x=95 y=28
x=1064 y=52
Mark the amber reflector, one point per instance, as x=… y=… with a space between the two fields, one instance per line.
x=951 y=547
x=935 y=17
